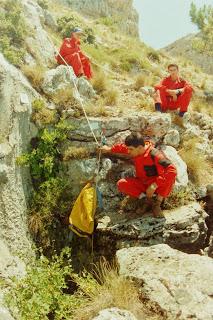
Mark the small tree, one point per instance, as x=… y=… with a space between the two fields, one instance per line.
x=203 y=18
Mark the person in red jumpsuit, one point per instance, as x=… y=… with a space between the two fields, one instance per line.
x=173 y=92
x=72 y=54
x=155 y=174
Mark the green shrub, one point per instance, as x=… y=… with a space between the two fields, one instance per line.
x=67 y=23
x=44 y=292
x=153 y=55
x=50 y=204
x=51 y=197
x=43 y=4
x=41 y=114
x=13 y=31
x=51 y=290
x=43 y=159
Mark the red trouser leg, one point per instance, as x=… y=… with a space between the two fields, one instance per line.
x=163 y=98
x=184 y=99
x=182 y=102
x=86 y=65
x=75 y=61
x=87 y=69
x=166 y=187
x=131 y=186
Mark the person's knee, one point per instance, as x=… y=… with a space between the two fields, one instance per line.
x=121 y=185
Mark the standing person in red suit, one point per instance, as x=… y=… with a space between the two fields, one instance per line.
x=173 y=92
x=71 y=52
x=155 y=174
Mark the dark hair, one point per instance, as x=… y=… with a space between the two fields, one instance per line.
x=172 y=65
x=134 y=140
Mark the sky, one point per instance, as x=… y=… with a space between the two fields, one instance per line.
x=161 y=22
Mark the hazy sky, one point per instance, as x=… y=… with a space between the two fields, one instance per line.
x=164 y=21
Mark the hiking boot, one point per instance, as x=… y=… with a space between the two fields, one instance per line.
x=178 y=121
x=145 y=207
x=127 y=204
x=156 y=209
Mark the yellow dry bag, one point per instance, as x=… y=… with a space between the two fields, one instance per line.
x=83 y=212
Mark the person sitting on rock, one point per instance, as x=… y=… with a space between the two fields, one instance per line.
x=155 y=174
x=72 y=54
x=173 y=92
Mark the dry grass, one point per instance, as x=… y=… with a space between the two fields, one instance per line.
x=64 y=99
x=111 y=96
x=75 y=153
x=143 y=80
x=200 y=170
x=202 y=106
x=35 y=223
x=99 y=82
x=202 y=84
x=112 y=290
x=35 y=74
x=97 y=108
x=146 y=103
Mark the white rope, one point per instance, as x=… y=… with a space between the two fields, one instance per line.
x=78 y=96
x=85 y=114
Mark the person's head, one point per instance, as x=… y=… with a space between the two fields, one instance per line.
x=76 y=32
x=173 y=70
x=135 y=144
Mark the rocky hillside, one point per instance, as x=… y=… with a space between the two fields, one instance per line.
x=47 y=152
x=184 y=48
x=119 y=11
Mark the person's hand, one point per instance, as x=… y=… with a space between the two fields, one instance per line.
x=151 y=190
x=171 y=92
x=174 y=96
x=105 y=149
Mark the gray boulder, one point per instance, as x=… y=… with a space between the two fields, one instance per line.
x=179 y=285
x=56 y=79
x=182 y=228
x=114 y=314
x=182 y=175
x=63 y=77
x=85 y=88
x=172 y=138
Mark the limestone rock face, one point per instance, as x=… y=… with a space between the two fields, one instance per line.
x=15 y=133
x=126 y=15
x=178 y=284
x=183 y=228
x=115 y=314
x=117 y=127
x=40 y=43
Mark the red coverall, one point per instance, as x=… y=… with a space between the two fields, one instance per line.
x=158 y=169
x=71 y=52
x=166 y=100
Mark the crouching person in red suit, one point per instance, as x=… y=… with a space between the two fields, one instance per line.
x=71 y=52
x=173 y=92
x=155 y=174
